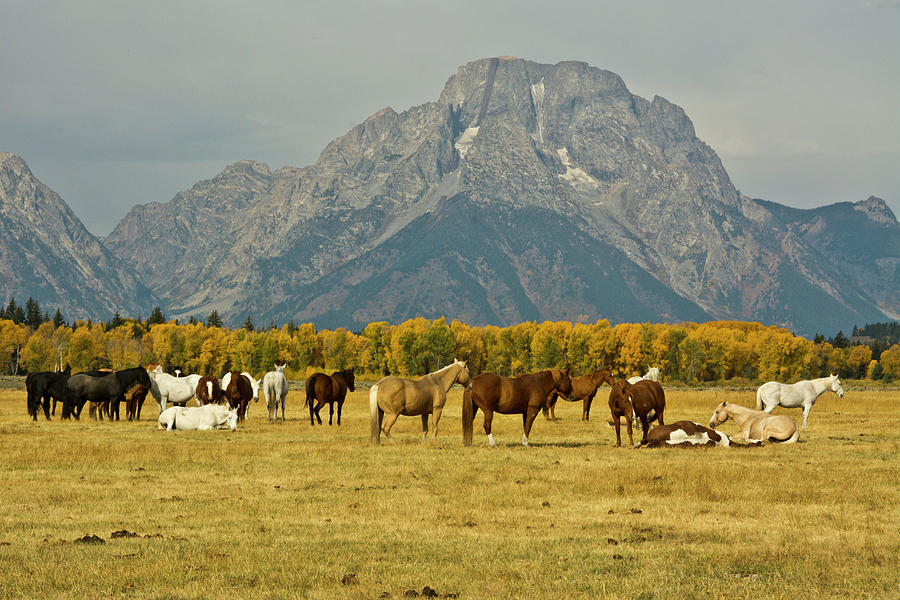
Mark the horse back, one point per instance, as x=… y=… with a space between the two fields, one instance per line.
x=648 y=395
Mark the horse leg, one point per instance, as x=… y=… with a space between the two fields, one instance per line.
x=645 y=423
x=387 y=423
x=340 y=407
x=424 y=427
x=488 y=418
x=435 y=418
x=319 y=405
x=330 y=412
x=806 y=409
x=617 y=424
x=45 y=404
x=527 y=421
x=586 y=407
x=281 y=399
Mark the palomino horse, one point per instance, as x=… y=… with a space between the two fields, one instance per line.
x=791 y=395
x=42 y=386
x=756 y=426
x=275 y=386
x=326 y=389
x=393 y=396
x=644 y=400
x=524 y=395
x=584 y=388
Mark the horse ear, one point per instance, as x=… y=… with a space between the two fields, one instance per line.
x=724 y=404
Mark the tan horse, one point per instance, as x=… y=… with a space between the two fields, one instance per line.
x=757 y=426
x=394 y=396
x=584 y=388
x=524 y=395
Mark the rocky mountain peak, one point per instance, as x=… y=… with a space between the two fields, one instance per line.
x=876 y=210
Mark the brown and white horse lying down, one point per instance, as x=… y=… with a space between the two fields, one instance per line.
x=684 y=433
x=756 y=426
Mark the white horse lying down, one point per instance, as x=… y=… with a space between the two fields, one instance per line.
x=209 y=416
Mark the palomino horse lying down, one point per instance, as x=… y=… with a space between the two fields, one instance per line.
x=684 y=433
x=756 y=426
x=191 y=418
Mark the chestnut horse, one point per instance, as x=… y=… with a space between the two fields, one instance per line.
x=239 y=392
x=584 y=388
x=524 y=395
x=636 y=401
x=325 y=389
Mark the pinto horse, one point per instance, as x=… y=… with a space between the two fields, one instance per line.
x=584 y=388
x=81 y=388
x=792 y=395
x=394 y=396
x=325 y=389
x=42 y=386
x=644 y=400
x=524 y=395
x=209 y=391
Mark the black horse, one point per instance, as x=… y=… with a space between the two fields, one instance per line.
x=111 y=387
x=41 y=386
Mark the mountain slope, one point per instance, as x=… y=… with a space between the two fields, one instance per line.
x=47 y=254
x=583 y=201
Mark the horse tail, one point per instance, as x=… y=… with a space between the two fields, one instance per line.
x=310 y=390
x=759 y=402
x=374 y=415
x=468 y=417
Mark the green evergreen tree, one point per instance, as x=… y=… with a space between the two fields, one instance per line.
x=33 y=315
x=156 y=317
x=58 y=319
x=214 y=320
x=248 y=324
x=13 y=310
x=116 y=321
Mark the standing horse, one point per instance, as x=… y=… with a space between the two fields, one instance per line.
x=110 y=388
x=326 y=389
x=394 y=396
x=254 y=388
x=134 y=401
x=523 y=395
x=791 y=395
x=275 y=386
x=584 y=388
x=209 y=391
x=168 y=388
x=652 y=374
x=756 y=426
x=644 y=400
x=42 y=386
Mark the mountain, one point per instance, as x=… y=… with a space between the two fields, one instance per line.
x=525 y=191
x=47 y=254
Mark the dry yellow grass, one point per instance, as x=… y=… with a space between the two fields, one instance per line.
x=289 y=511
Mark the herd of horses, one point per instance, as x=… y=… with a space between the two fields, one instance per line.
x=634 y=401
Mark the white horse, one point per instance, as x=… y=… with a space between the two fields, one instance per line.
x=177 y=390
x=791 y=395
x=652 y=374
x=275 y=386
x=209 y=416
x=254 y=384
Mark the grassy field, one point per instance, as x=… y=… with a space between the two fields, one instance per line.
x=286 y=510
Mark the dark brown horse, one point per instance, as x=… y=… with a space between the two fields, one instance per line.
x=644 y=400
x=523 y=395
x=239 y=393
x=584 y=388
x=325 y=389
x=134 y=401
x=209 y=391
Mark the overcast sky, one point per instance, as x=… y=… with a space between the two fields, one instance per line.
x=118 y=103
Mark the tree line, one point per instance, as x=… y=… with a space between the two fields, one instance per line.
x=686 y=352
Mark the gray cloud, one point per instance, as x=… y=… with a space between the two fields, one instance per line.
x=114 y=104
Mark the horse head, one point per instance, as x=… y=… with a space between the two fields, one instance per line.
x=231 y=419
x=563 y=382
x=463 y=378
x=280 y=369
x=836 y=386
x=621 y=394
x=350 y=379
x=720 y=416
